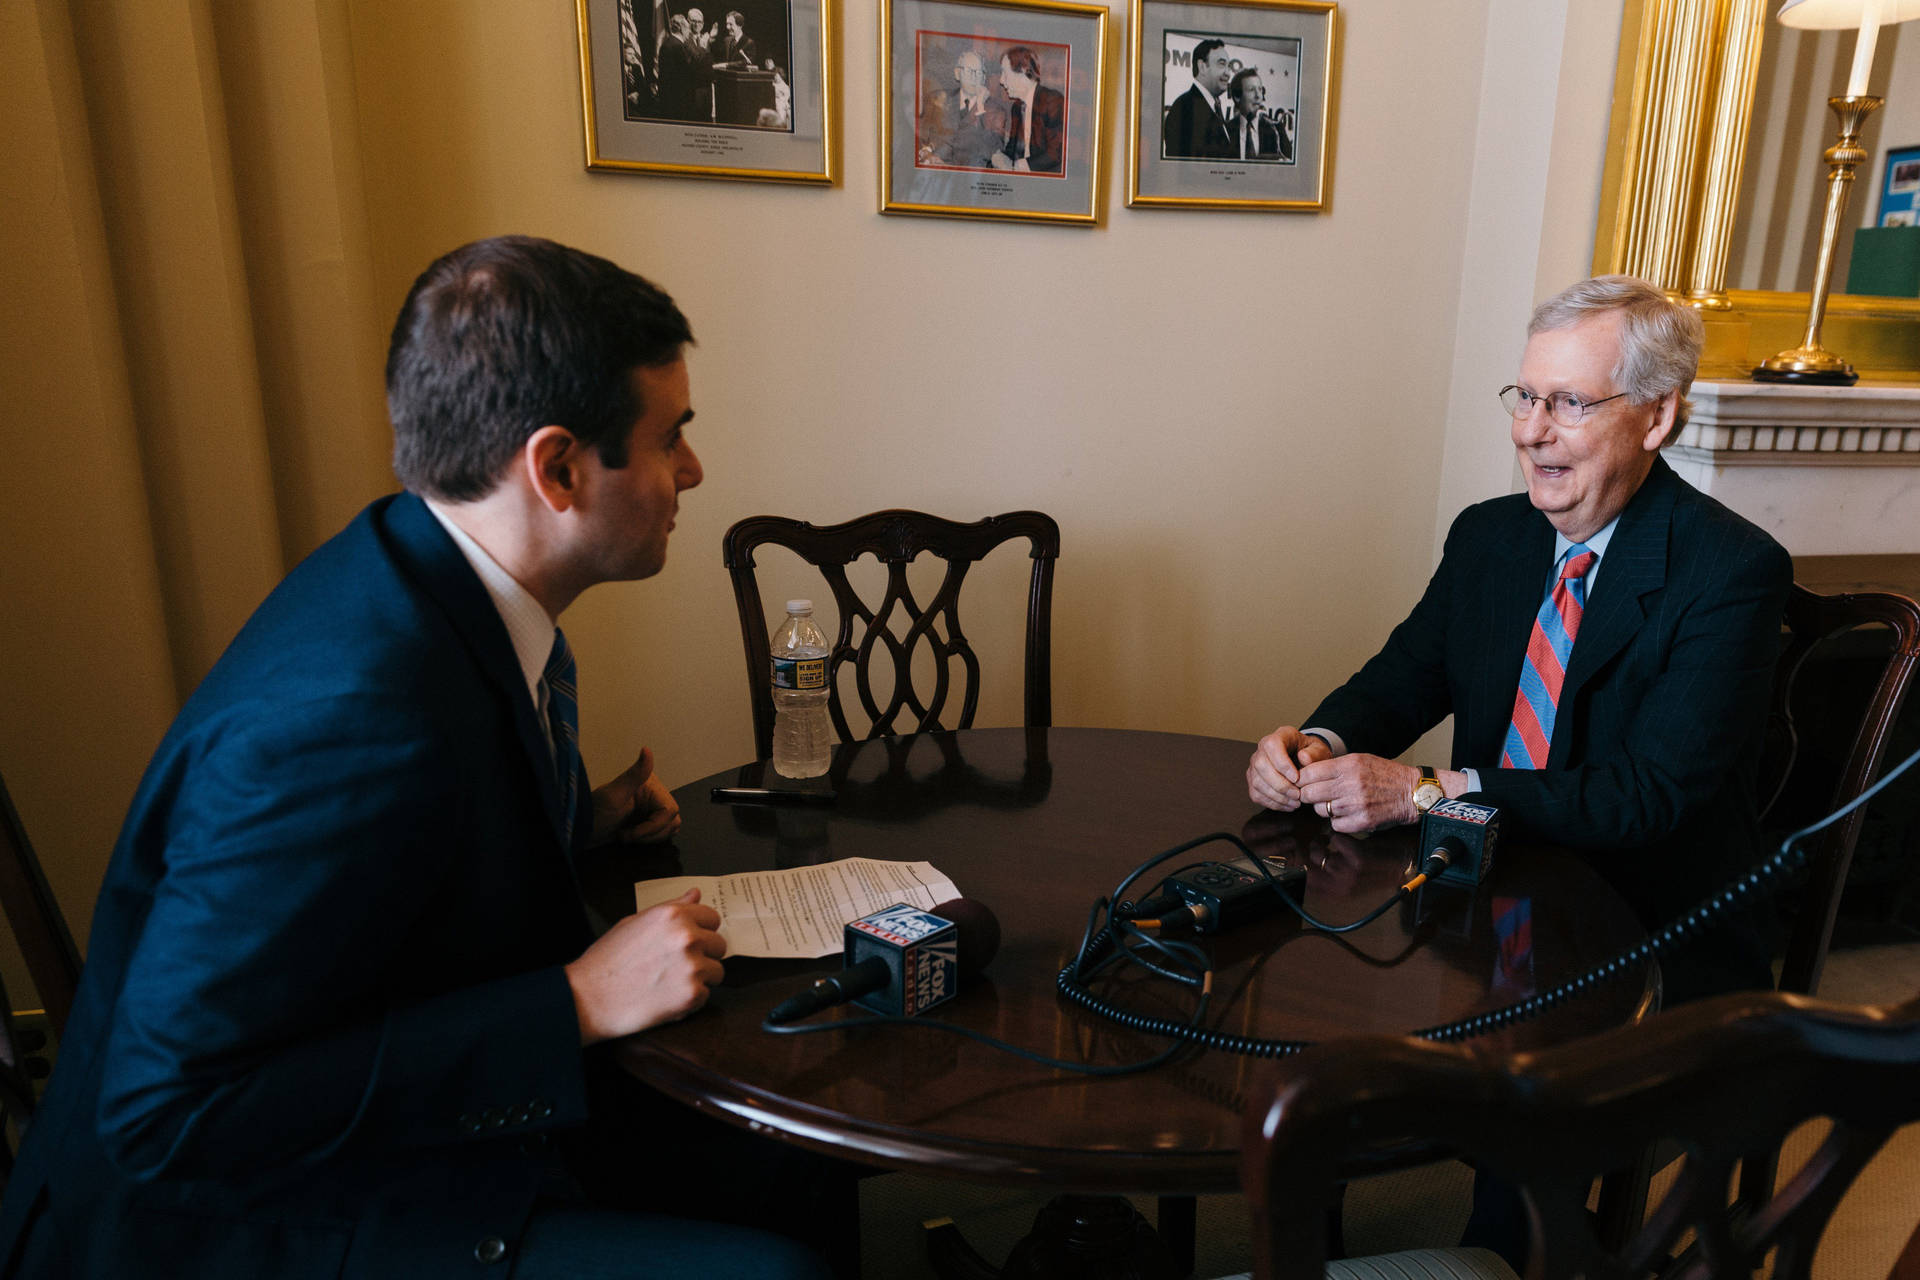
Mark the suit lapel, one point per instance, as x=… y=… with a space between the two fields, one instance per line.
x=440 y=569
x=1635 y=566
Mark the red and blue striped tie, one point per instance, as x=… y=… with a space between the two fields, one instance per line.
x=1544 y=668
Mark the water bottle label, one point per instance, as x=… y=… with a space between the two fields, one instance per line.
x=800 y=673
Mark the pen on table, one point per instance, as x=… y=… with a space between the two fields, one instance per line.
x=769 y=795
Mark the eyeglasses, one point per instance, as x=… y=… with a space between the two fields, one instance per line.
x=1564 y=407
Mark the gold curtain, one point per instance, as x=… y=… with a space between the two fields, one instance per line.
x=190 y=403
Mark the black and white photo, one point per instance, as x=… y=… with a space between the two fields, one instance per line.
x=1231 y=104
x=736 y=89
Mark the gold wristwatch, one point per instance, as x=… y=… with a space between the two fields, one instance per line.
x=1427 y=792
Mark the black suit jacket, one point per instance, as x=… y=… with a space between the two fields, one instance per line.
x=1659 y=726
x=323 y=1028
x=677 y=80
x=744 y=53
x=1193 y=130
x=1047 y=139
x=1267 y=142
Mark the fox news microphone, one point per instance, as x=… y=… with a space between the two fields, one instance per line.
x=1463 y=834
x=902 y=960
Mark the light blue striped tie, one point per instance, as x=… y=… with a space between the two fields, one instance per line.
x=1544 y=667
x=563 y=718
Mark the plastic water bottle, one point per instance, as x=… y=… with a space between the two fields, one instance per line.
x=802 y=735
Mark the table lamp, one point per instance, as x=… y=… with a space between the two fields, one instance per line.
x=1810 y=362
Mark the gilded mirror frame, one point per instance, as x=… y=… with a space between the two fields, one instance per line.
x=1682 y=102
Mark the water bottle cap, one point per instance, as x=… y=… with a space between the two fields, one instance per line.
x=800 y=606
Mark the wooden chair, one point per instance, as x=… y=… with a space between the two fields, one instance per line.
x=53 y=962
x=895 y=538
x=1907 y=1265
x=1794 y=784
x=1721 y=1077
x=1798 y=784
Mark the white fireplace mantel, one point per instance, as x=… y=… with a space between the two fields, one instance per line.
x=1826 y=470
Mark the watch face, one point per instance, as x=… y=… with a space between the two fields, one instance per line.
x=1427 y=795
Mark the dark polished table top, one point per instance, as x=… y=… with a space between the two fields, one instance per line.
x=1037 y=824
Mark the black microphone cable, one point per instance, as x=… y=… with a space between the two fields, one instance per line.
x=1103 y=946
x=1124 y=939
x=1120 y=938
x=1175 y=951
x=1744 y=889
x=1178 y=1047
x=1764 y=878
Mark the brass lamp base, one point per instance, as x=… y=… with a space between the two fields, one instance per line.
x=1808 y=366
x=1810 y=363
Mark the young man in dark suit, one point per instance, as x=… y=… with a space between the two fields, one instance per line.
x=1605 y=643
x=738 y=50
x=1036 y=120
x=340 y=990
x=1251 y=134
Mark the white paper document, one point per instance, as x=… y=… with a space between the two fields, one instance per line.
x=799 y=913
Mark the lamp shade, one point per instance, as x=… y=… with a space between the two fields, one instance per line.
x=1825 y=15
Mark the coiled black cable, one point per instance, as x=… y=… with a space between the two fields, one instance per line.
x=1744 y=889
x=1103 y=945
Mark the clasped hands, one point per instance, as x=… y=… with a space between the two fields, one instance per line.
x=1358 y=793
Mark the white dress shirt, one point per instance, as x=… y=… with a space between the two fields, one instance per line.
x=528 y=626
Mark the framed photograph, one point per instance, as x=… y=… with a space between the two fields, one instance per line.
x=1232 y=104
x=1900 y=189
x=992 y=109
x=709 y=88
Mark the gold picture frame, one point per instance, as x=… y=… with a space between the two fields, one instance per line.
x=1248 y=125
x=993 y=109
x=752 y=96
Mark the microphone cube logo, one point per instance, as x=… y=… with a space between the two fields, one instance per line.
x=1476 y=827
x=921 y=949
x=901 y=924
x=1459 y=810
x=931 y=970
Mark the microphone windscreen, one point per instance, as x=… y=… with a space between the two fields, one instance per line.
x=978 y=929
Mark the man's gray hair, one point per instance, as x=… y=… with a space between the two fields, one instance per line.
x=1659 y=339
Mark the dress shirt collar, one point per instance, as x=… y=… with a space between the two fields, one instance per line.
x=528 y=626
x=1596 y=544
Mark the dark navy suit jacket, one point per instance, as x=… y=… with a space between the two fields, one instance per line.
x=323 y=1029
x=1192 y=129
x=1661 y=716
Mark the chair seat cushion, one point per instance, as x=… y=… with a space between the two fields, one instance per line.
x=1418 y=1264
x=1424 y=1264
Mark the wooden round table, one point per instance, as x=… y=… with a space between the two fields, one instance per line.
x=1037 y=824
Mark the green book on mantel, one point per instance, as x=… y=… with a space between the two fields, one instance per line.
x=1886 y=261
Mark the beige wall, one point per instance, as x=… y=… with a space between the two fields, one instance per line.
x=1248 y=427
x=85 y=671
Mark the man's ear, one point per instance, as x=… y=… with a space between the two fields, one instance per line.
x=551 y=461
x=1666 y=414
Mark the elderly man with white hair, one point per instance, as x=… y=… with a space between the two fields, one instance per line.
x=1604 y=642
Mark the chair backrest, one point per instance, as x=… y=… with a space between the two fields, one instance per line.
x=40 y=931
x=1794 y=781
x=895 y=538
x=18 y=1098
x=1720 y=1078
